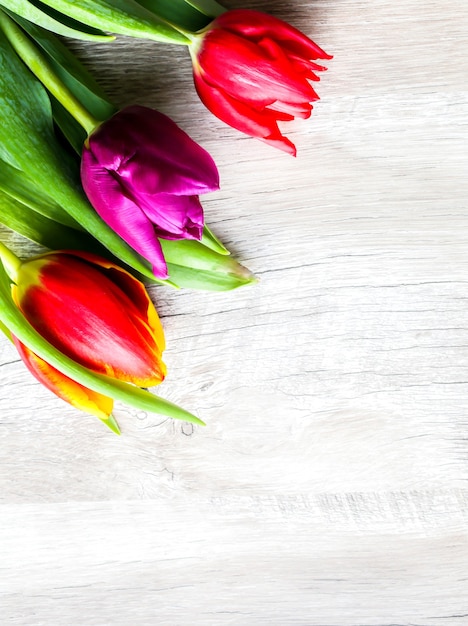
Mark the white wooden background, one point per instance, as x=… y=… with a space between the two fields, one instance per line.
x=329 y=487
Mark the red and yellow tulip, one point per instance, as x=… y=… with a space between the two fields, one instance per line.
x=96 y=314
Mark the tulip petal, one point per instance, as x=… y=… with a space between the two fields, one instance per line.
x=256 y=25
x=237 y=114
x=148 y=151
x=134 y=290
x=243 y=68
x=64 y=387
x=174 y=217
x=120 y=212
x=292 y=64
x=291 y=111
x=308 y=68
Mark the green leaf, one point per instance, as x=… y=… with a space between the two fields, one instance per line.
x=70 y=71
x=177 y=12
x=124 y=17
x=6 y=156
x=5 y=331
x=204 y=280
x=97 y=105
x=42 y=230
x=73 y=132
x=210 y=240
x=26 y=127
x=194 y=266
x=111 y=423
x=207 y=7
x=47 y=19
x=13 y=319
x=76 y=78
x=16 y=184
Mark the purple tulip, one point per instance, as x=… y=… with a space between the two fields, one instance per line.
x=143 y=175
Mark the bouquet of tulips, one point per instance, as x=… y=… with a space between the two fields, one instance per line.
x=114 y=195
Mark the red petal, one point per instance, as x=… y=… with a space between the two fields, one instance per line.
x=262 y=125
x=256 y=25
x=291 y=111
x=136 y=293
x=307 y=68
x=245 y=71
x=282 y=143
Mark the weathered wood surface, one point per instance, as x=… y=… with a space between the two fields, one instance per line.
x=329 y=487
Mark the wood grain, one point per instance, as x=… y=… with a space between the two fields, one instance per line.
x=329 y=487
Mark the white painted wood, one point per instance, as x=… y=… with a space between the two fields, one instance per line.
x=329 y=487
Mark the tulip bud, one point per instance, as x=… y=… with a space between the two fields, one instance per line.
x=252 y=71
x=95 y=313
x=143 y=175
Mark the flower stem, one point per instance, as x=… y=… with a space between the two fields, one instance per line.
x=37 y=63
x=10 y=261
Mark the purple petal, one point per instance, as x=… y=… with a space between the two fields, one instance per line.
x=151 y=152
x=121 y=213
x=174 y=217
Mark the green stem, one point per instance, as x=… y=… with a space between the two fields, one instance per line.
x=10 y=261
x=183 y=31
x=39 y=66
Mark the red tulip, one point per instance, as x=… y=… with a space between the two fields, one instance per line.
x=252 y=71
x=95 y=313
